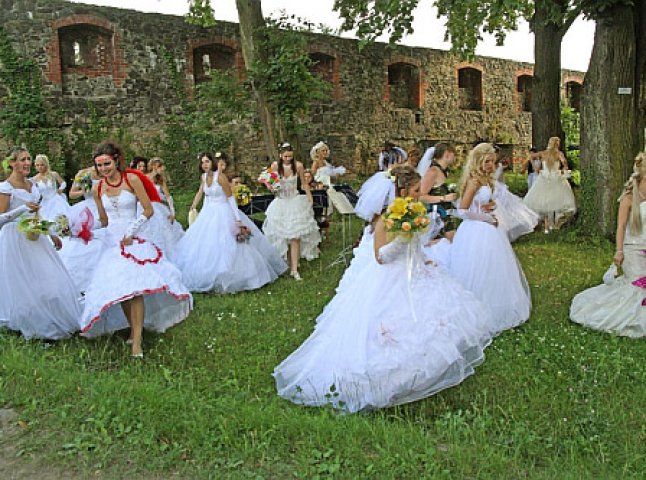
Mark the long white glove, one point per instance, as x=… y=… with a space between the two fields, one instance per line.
x=136 y=225
x=171 y=205
x=234 y=207
x=466 y=214
x=13 y=214
x=391 y=251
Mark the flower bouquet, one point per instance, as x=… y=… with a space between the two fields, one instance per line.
x=270 y=180
x=452 y=187
x=242 y=194
x=62 y=226
x=84 y=181
x=405 y=217
x=244 y=235
x=32 y=226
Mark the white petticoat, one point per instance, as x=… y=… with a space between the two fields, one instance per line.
x=211 y=259
x=483 y=261
x=374 y=196
x=369 y=351
x=117 y=278
x=292 y=218
x=37 y=295
x=516 y=218
x=551 y=192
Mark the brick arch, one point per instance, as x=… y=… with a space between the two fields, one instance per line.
x=523 y=90
x=394 y=68
x=218 y=42
x=469 y=85
x=331 y=72
x=117 y=64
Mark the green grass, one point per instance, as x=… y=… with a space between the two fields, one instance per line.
x=552 y=400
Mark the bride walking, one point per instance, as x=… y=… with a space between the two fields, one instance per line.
x=392 y=335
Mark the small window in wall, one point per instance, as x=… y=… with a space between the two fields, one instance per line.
x=211 y=57
x=323 y=66
x=403 y=85
x=524 y=89
x=86 y=47
x=573 y=91
x=470 y=88
x=78 y=58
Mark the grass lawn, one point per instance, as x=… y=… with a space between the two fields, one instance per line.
x=552 y=400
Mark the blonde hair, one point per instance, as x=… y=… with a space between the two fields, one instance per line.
x=160 y=178
x=315 y=150
x=405 y=177
x=552 y=151
x=43 y=158
x=473 y=168
x=631 y=187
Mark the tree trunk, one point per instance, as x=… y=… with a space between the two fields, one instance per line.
x=546 y=84
x=252 y=23
x=610 y=119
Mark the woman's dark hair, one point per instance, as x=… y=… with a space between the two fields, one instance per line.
x=405 y=177
x=136 y=160
x=200 y=156
x=285 y=147
x=111 y=149
x=441 y=148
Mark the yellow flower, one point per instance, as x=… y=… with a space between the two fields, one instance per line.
x=389 y=223
x=417 y=207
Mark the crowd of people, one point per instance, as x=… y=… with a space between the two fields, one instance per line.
x=118 y=258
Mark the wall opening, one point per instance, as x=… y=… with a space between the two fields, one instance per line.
x=86 y=49
x=524 y=89
x=211 y=57
x=404 y=85
x=470 y=88
x=573 y=92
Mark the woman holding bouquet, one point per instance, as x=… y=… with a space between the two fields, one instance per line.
x=400 y=331
x=481 y=256
x=223 y=251
x=619 y=306
x=39 y=298
x=133 y=284
x=289 y=223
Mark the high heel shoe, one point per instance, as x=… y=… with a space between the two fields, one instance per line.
x=296 y=276
x=137 y=355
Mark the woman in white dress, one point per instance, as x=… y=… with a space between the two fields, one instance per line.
x=551 y=195
x=390 y=337
x=482 y=259
x=52 y=188
x=322 y=170
x=619 y=307
x=516 y=218
x=163 y=228
x=289 y=223
x=133 y=284
x=37 y=295
x=209 y=255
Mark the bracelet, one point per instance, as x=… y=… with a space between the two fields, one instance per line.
x=620 y=251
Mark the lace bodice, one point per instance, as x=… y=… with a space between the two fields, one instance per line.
x=637 y=239
x=288 y=187
x=121 y=210
x=213 y=193
x=19 y=196
x=47 y=187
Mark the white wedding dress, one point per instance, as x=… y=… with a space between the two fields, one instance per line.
x=159 y=229
x=383 y=341
x=37 y=295
x=618 y=308
x=551 y=194
x=375 y=195
x=290 y=216
x=123 y=272
x=210 y=257
x=53 y=203
x=483 y=261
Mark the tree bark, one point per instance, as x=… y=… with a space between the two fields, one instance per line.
x=611 y=123
x=546 y=84
x=252 y=24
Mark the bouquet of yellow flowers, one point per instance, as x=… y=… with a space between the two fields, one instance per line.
x=405 y=216
x=84 y=181
x=242 y=194
x=33 y=226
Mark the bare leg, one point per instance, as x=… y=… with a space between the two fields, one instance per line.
x=127 y=311
x=135 y=308
x=294 y=255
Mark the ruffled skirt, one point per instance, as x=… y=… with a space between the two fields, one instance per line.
x=53 y=206
x=516 y=218
x=160 y=230
x=292 y=218
x=37 y=295
x=551 y=194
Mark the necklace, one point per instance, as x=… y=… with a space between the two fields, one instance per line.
x=117 y=185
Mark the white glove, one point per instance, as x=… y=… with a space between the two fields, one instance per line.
x=338 y=171
x=134 y=227
x=171 y=206
x=391 y=251
x=13 y=214
x=466 y=214
x=63 y=185
x=234 y=207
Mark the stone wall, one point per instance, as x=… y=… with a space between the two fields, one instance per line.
x=412 y=96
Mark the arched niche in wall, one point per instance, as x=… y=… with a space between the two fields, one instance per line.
x=213 y=56
x=524 y=90
x=404 y=85
x=470 y=88
x=573 y=92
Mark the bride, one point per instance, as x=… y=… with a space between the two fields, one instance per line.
x=384 y=341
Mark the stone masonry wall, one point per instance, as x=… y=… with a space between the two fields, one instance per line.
x=111 y=58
